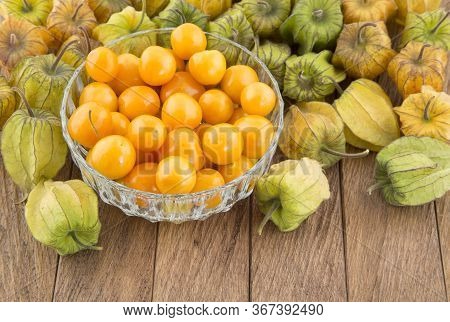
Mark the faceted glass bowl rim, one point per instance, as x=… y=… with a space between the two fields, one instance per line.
x=268 y=154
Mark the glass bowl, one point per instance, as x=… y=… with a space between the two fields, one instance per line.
x=181 y=207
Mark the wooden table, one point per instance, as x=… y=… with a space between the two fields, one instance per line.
x=355 y=248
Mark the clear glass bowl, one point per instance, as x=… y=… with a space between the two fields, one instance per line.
x=180 y=207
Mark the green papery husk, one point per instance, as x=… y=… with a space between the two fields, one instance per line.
x=368 y=115
x=413 y=171
x=234 y=26
x=177 y=13
x=35 y=11
x=429 y=27
x=313 y=24
x=33 y=147
x=64 y=216
x=274 y=56
x=308 y=77
x=7 y=101
x=153 y=7
x=290 y=192
x=265 y=16
x=314 y=130
x=43 y=80
x=124 y=23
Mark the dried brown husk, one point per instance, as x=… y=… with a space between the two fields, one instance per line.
x=426 y=114
x=364 y=50
x=19 y=38
x=103 y=9
x=417 y=6
x=368 y=10
x=416 y=65
x=67 y=16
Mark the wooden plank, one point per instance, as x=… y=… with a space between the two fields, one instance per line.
x=206 y=260
x=443 y=219
x=27 y=268
x=392 y=252
x=303 y=265
x=122 y=271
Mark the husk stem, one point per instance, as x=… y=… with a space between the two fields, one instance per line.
x=305 y=81
x=440 y=22
x=276 y=204
x=361 y=29
x=26 y=5
x=336 y=84
x=267 y=6
x=83 y=246
x=344 y=154
x=24 y=100
x=12 y=39
x=61 y=53
x=426 y=110
x=143 y=14
x=318 y=13
x=376 y=186
x=86 y=38
x=422 y=52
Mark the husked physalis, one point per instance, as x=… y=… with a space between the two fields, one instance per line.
x=236 y=169
x=236 y=78
x=184 y=142
x=175 y=174
x=158 y=66
x=173 y=121
x=101 y=94
x=139 y=100
x=257 y=132
x=209 y=179
x=181 y=110
x=217 y=107
x=127 y=74
x=102 y=64
x=113 y=156
x=223 y=143
x=89 y=123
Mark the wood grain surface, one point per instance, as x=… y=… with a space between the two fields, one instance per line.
x=306 y=264
x=205 y=260
x=122 y=271
x=355 y=248
x=27 y=268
